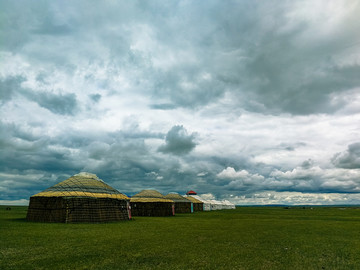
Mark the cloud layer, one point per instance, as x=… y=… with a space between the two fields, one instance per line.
x=236 y=99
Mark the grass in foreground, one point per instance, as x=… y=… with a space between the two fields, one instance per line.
x=245 y=238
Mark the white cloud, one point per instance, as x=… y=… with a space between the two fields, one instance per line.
x=230 y=172
x=14 y=202
x=295 y=198
x=207 y=196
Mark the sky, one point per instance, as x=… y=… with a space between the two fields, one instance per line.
x=257 y=102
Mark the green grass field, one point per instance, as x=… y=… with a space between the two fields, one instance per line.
x=245 y=238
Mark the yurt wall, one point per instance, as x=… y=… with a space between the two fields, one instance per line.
x=197 y=205
x=81 y=198
x=182 y=205
x=151 y=203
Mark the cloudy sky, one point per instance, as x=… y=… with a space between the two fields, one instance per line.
x=257 y=102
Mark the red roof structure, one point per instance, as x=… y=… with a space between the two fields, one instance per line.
x=191 y=192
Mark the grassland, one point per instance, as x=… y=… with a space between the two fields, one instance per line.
x=245 y=238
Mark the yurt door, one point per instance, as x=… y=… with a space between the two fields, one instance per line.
x=129 y=209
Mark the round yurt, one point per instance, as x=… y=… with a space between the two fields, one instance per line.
x=81 y=198
x=228 y=205
x=182 y=205
x=197 y=204
x=151 y=203
x=206 y=203
x=216 y=205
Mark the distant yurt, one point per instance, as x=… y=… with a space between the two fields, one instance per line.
x=206 y=203
x=228 y=205
x=216 y=205
x=197 y=204
x=191 y=192
x=151 y=203
x=182 y=205
x=81 y=198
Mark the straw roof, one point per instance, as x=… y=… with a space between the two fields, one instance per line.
x=177 y=198
x=193 y=200
x=82 y=185
x=149 y=195
x=149 y=200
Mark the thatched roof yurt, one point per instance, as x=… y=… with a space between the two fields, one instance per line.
x=182 y=205
x=206 y=203
x=151 y=203
x=81 y=198
x=197 y=204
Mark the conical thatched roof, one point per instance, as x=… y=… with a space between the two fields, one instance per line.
x=82 y=185
x=177 y=197
x=149 y=195
x=193 y=200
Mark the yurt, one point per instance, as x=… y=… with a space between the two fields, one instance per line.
x=206 y=203
x=197 y=204
x=216 y=205
x=81 y=198
x=225 y=204
x=182 y=205
x=191 y=192
x=228 y=205
x=151 y=203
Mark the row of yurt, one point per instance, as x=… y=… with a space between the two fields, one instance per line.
x=211 y=205
x=86 y=198
x=151 y=203
x=81 y=198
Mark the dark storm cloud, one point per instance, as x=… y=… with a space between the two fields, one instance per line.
x=265 y=68
x=23 y=150
x=313 y=96
x=188 y=87
x=178 y=142
x=163 y=106
x=349 y=159
x=63 y=104
x=11 y=134
x=130 y=165
x=120 y=159
x=307 y=164
x=267 y=60
x=9 y=86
